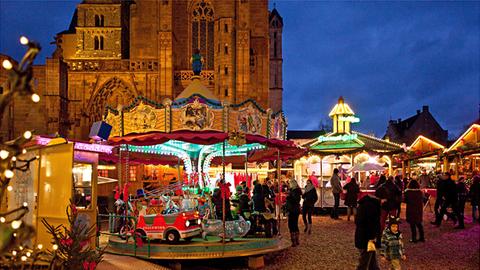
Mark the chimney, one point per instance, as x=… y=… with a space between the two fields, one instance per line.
x=425 y=108
x=418 y=111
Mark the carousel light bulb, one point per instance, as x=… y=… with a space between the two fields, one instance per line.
x=14 y=253
x=9 y=188
x=40 y=246
x=55 y=247
x=14 y=158
x=6 y=64
x=25 y=204
x=35 y=98
x=29 y=254
x=15 y=234
x=8 y=173
x=24 y=151
x=2 y=219
x=24 y=40
x=15 y=225
x=27 y=134
x=24 y=258
x=20 y=247
x=4 y=154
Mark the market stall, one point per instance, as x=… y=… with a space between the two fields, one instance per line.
x=423 y=154
x=346 y=150
x=463 y=156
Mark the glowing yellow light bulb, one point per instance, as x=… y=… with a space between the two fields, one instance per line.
x=2 y=219
x=24 y=258
x=8 y=174
x=15 y=225
x=23 y=40
x=14 y=158
x=4 y=154
x=35 y=98
x=55 y=247
x=14 y=253
x=25 y=204
x=9 y=188
x=6 y=64
x=27 y=134
x=40 y=246
x=29 y=254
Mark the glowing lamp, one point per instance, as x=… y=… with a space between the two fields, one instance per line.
x=16 y=224
x=35 y=98
x=23 y=40
x=6 y=64
x=8 y=174
x=27 y=134
x=4 y=154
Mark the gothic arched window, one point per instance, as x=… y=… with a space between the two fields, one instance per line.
x=202 y=31
x=96 y=43
x=99 y=20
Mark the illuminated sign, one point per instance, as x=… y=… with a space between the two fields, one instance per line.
x=339 y=138
x=351 y=119
x=97 y=148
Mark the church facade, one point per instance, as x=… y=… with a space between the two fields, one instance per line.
x=114 y=51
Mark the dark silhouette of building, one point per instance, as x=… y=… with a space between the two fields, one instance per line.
x=423 y=123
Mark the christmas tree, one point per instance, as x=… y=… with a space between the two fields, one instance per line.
x=72 y=248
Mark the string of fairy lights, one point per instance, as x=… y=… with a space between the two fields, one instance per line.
x=15 y=234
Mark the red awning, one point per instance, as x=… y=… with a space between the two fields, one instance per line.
x=153 y=138
x=288 y=149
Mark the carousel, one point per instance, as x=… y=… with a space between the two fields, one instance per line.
x=200 y=136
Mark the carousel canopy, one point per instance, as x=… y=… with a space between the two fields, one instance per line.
x=196 y=126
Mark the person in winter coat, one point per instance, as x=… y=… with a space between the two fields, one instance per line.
x=336 y=190
x=351 y=197
x=217 y=200
x=392 y=244
x=474 y=195
x=258 y=198
x=399 y=183
x=293 y=209
x=424 y=180
x=414 y=201
x=310 y=197
x=462 y=193
x=448 y=191
x=367 y=231
x=392 y=194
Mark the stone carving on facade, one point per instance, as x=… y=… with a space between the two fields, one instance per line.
x=142 y=118
x=113 y=93
x=197 y=116
x=186 y=75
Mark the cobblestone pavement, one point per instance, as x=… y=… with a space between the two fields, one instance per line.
x=331 y=247
x=115 y=262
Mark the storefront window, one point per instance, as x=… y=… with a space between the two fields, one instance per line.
x=82 y=185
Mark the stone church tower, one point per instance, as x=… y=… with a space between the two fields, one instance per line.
x=116 y=50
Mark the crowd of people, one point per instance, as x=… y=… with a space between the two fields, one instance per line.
x=377 y=216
